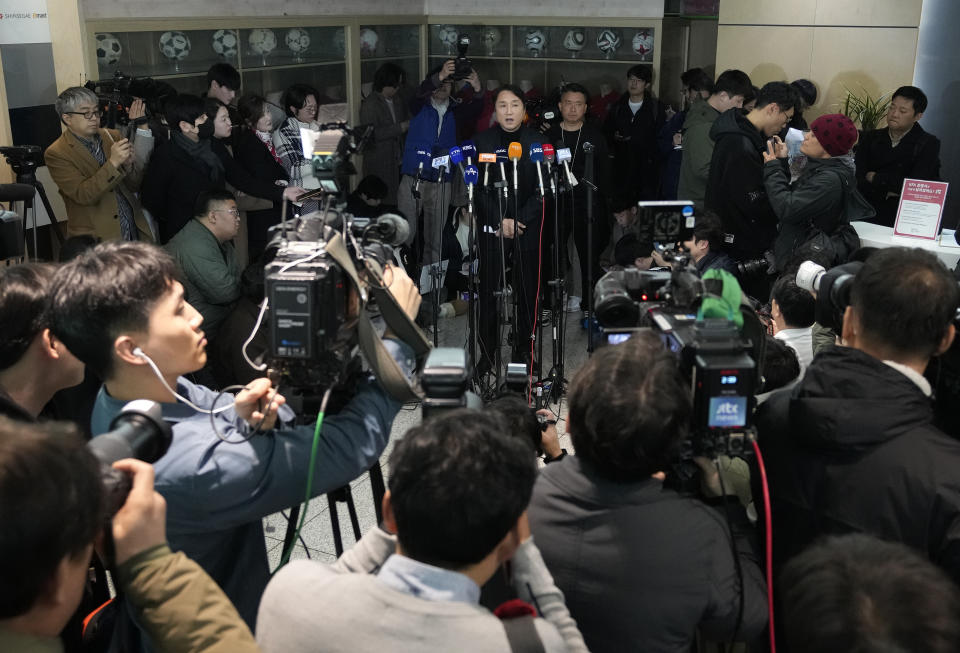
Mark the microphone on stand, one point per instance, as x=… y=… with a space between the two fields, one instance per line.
x=487 y=158
x=563 y=155
x=470 y=176
x=514 y=152
x=423 y=157
x=501 y=159
x=469 y=151
x=536 y=156
x=548 y=155
x=456 y=156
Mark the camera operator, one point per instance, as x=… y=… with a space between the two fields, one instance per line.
x=459 y=488
x=98 y=171
x=443 y=106
x=34 y=363
x=705 y=247
x=52 y=508
x=859 y=593
x=123 y=312
x=861 y=421
x=670 y=569
x=642 y=566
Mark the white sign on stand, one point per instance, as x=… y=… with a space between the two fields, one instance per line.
x=921 y=208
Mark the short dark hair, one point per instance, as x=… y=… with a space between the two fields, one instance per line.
x=202 y=206
x=51 y=506
x=521 y=418
x=858 y=593
x=75 y=245
x=750 y=95
x=185 y=108
x=225 y=75
x=628 y=249
x=251 y=108
x=709 y=227
x=696 y=79
x=574 y=87
x=629 y=409
x=211 y=106
x=389 y=74
x=780 y=93
x=641 y=71
x=296 y=96
x=621 y=201
x=512 y=88
x=906 y=300
x=372 y=187
x=458 y=484
x=806 y=89
x=915 y=95
x=733 y=82
x=780 y=365
x=24 y=296
x=797 y=305
x=106 y=291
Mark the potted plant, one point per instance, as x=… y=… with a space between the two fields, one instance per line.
x=865 y=110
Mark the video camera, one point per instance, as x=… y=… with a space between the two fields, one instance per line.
x=117 y=94
x=711 y=351
x=22 y=158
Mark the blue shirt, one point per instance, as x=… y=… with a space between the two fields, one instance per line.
x=218 y=493
x=428 y=582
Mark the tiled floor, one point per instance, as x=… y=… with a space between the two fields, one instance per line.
x=317 y=529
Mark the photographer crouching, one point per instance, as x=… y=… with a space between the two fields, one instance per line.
x=122 y=311
x=52 y=507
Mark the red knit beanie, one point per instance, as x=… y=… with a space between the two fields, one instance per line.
x=837 y=133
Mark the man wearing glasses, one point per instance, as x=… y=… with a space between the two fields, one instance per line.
x=205 y=254
x=98 y=171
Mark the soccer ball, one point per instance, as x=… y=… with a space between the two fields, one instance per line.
x=608 y=41
x=225 y=42
x=574 y=40
x=536 y=41
x=448 y=35
x=174 y=45
x=491 y=38
x=297 y=40
x=368 y=42
x=643 y=43
x=339 y=41
x=262 y=40
x=108 y=49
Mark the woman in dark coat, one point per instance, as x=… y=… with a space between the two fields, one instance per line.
x=390 y=118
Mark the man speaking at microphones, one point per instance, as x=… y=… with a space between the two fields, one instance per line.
x=572 y=132
x=517 y=218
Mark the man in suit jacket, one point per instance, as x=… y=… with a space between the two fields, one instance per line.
x=902 y=150
x=389 y=115
x=98 y=171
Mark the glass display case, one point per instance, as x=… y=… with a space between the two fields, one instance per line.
x=380 y=44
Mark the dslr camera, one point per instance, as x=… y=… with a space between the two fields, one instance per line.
x=463 y=66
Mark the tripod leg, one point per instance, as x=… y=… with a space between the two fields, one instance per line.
x=49 y=209
x=379 y=489
x=335 y=525
x=352 y=511
x=291 y=527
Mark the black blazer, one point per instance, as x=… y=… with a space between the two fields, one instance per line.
x=254 y=157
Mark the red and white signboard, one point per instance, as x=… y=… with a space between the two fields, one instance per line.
x=921 y=209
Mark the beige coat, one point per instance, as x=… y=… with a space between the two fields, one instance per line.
x=87 y=187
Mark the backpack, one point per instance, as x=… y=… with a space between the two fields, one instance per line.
x=837 y=247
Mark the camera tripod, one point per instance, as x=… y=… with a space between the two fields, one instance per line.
x=24 y=161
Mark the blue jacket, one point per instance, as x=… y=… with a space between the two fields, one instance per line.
x=422 y=135
x=218 y=493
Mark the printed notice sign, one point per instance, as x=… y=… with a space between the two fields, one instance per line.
x=24 y=21
x=921 y=208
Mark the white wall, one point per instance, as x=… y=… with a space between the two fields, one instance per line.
x=551 y=8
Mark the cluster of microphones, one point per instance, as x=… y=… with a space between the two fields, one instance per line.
x=467 y=152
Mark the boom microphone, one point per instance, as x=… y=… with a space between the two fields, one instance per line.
x=393 y=229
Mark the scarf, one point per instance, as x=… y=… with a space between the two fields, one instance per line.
x=201 y=151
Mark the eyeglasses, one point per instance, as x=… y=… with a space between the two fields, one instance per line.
x=234 y=212
x=86 y=114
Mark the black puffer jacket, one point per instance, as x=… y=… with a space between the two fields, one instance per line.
x=735 y=188
x=853 y=448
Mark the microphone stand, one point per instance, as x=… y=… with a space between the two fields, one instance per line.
x=436 y=268
x=505 y=292
x=558 y=283
x=588 y=173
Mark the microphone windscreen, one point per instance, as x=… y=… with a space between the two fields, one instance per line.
x=456 y=155
x=469 y=149
x=501 y=154
x=515 y=151
x=548 y=152
x=536 y=152
x=471 y=175
x=395 y=228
